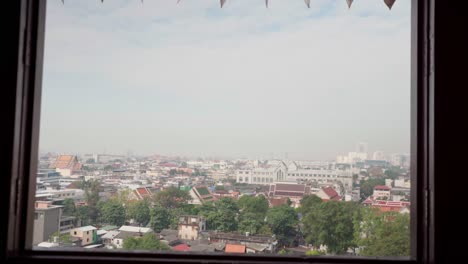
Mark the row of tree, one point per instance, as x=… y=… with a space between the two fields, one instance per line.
x=347 y=225
x=337 y=225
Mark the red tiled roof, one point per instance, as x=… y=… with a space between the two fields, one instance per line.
x=290 y=187
x=181 y=247
x=66 y=162
x=382 y=187
x=230 y=248
x=143 y=191
x=295 y=194
x=278 y=201
x=330 y=192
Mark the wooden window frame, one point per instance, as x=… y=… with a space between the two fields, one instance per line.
x=21 y=100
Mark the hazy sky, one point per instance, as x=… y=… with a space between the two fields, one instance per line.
x=194 y=79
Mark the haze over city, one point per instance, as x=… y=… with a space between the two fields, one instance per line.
x=242 y=81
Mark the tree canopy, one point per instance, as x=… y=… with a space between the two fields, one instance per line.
x=147 y=242
x=331 y=224
x=283 y=223
x=221 y=215
x=383 y=234
x=139 y=211
x=112 y=212
x=160 y=218
x=69 y=207
x=172 y=198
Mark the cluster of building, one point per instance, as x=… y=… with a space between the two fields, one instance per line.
x=280 y=181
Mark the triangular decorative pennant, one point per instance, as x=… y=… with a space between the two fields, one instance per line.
x=63 y=1
x=350 y=2
x=389 y=3
x=307 y=2
x=266 y=3
x=221 y=2
x=178 y=1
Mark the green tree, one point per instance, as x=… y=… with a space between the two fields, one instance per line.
x=309 y=203
x=253 y=211
x=367 y=186
x=283 y=223
x=113 y=212
x=92 y=198
x=249 y=222
x=82 y=213
x=172 y=198
x=383 y=234
x=251 y=204
x=108 y=168
x=90 y=161
x=139 y=211
x=147 y=242
x=219 y=187
x=314 y=253
x=69 y=207
x=221 y=215
x=62 y=238
x=331 y=224
x=160 y=218
x=123 y=196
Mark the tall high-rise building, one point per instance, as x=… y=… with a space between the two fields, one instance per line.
x=362 y=147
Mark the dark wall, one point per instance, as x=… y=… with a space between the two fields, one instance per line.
x=450 y=79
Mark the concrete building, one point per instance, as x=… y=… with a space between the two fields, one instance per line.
x=190 y=226
x=294 y=173
x=381 y=191
x=46 y=220
x=87 y=234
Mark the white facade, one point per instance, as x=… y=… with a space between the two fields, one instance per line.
x=262 y=175
x=380 y=193
x=282 y=173
x=403 y=183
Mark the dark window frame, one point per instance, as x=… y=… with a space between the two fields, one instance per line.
x=27 y=28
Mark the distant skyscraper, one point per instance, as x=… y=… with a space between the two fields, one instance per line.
x=378 y=155
x=361 y=147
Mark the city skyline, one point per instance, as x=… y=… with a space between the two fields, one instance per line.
x=196 y=80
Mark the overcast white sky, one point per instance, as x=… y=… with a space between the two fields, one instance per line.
x=241 y=81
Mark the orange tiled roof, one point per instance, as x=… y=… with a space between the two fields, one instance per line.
x=66 y=162
x=230 y=248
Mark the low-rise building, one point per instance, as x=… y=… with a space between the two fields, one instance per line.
x=190 y=226
x=381 y=191
x=268 y=242
x=87 y=234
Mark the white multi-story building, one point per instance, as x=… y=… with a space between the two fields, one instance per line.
x=292 y=172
